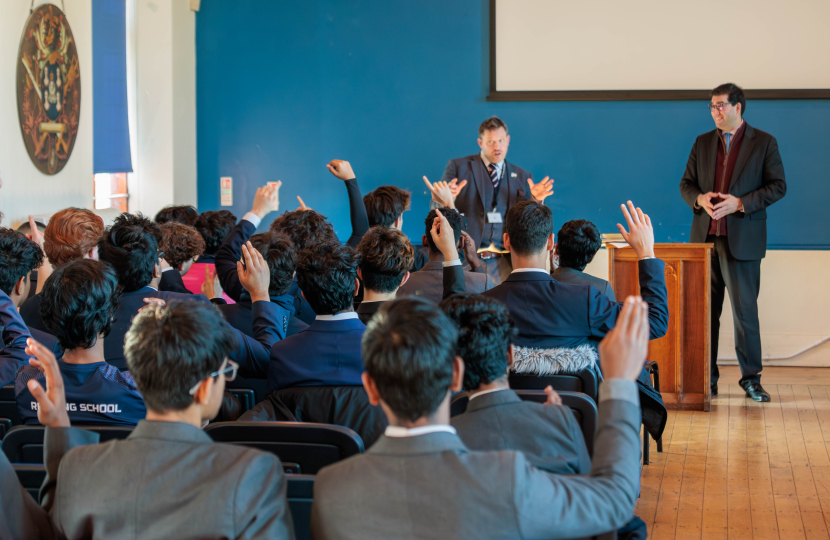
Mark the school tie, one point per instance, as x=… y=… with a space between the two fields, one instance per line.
x=726 y=140
x=494 y=176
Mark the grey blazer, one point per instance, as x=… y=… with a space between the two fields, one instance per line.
x=166 y=480
x=428 y=282
x=577 y=277
x=432 y=486
x=548 y=435
x=20 y=515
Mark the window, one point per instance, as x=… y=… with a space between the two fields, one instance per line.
x=110 y=191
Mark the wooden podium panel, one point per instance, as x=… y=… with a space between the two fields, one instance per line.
x=683 y=354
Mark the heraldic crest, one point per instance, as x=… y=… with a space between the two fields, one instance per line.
x=48 y=88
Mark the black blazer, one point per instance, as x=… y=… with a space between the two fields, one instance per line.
x=578 y=277
x=473 y=201
x=758 y=179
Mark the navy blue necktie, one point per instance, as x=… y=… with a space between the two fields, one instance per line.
x=494 y=176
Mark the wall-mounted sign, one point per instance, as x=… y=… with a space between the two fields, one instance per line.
x=226 y=191
x=48 y=88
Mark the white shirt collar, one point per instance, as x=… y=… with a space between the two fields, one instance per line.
x=487 y=162
x=530 y=270
x=472 y=397
x=399 y=432
x=338 y=317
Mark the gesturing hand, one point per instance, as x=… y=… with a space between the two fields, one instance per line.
x=211 y=286
x=641 y=235
x=441 y=193
x=541 y=190
x=466 y=244
x=302 y=204
x=341 y=169
x=444 y=237
x=455 y=187
x=35 y=236
x=624 y=349
x=729 y=205
x=51 y=402
x=255 y=275
x=704 y=200
x=266 y=200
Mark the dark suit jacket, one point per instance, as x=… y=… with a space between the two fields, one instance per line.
x=366 y=310
x=548 y=435
x=171 y=281
x=15 y=333
x=328 y=353
x=178 y=484
x=550 y=314
x=758 y=180
x=577 y=277
x=241 y=316
x=428 y=283
x=473 y=201
x=30 y=311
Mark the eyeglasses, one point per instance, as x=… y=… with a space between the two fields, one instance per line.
x=231 y=367
x=719 y=105
x=160 y=255
x=493 y=143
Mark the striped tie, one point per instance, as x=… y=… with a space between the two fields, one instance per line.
x=494 y=176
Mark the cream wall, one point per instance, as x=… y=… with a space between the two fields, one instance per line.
x=25 y=189
x=794 y=307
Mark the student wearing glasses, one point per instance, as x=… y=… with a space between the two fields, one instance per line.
x=733 y=174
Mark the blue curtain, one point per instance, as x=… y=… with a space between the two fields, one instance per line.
x=111 y=128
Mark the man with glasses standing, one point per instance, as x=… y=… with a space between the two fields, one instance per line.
x=734 y=173
x=492 y=186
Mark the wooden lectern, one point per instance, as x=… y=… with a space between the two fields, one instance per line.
x=683 y=354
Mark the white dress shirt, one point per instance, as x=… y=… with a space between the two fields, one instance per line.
x=398 y=432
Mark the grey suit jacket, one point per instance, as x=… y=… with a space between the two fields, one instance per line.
x=577 y=277
x=166 y=480
x=548 y=435
x=20 y=515
x=428 y=282
x=432 y=486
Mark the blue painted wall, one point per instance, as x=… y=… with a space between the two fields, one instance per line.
x=398 y=88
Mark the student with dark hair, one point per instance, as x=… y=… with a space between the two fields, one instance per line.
x=427 y=282
x=79 y=299
x=577 y=242
x=180 y=245
x=496 y=419
x=185 y=214
x=385 y=206
x=385 y=259
x=328 y=352
x=419 y=480
x=167 y=479
x=214 y=226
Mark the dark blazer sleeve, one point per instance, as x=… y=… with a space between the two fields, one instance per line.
x=171 y=281
x=603 y=313
x=13 y=355
x=773 y=184
x=228 y=253
x=453 y=281
x=260 y=501
x=254 y=354
x=56 y=443
x=357 y=213
x=20 y=515
x=690 y=184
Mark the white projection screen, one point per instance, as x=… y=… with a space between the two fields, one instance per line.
x=658 y=49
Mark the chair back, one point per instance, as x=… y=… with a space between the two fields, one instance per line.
x=300 y=496
x=31 y=477
x=584 y=381
x=302 y=448
x=24 y=444
x=8 y=405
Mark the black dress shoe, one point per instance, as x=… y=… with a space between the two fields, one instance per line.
x=715 y=389
x=756 y=392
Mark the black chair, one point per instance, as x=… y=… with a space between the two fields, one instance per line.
x=584 y=382
x=241 y=383
x=302 y=448
x=654 y=371
x=300 y=497
x=246 y=398
x=8 y=405
x=31 y=477
x=5 y=426
x=24 y=444
x=584 y=409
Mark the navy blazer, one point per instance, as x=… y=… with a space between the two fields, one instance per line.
x=474 y=200
x=241 y=316
x=551 y=314
x=13 y=354
x=328 y=353
x=30 y=311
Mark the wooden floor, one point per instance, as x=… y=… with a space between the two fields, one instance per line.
x=745 y=470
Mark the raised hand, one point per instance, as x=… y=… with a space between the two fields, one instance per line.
x=541 y=190
x=468 y=245
x=456 y=188
x=254 y=275
x=444 y=237
x=36 y=236
x=441 y=193
x=704 y=200
x=341 y=169
x=266 y=200
x=624 y=349
x=51 y=402
x=553 y=397
x=729 y=205
x=640 y=235
x=302 y=204
x=211 y=286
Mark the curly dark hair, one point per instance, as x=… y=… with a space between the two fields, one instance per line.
x=183 y=214
x=306 y=228
x=180 y=243
x=528 y=225
x=215 y=226
x=456 y=222
x=78 y=301
x=130 y=245
x=386 y=204
x=326 y=275
x=577 y=242
x=18 y=257
x=485 y=332
x=385 y=257
x=281 y=257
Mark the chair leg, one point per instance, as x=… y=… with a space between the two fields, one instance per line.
x=645 y=447
x=655 y=377
x=660 y=445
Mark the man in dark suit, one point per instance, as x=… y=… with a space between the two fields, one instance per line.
x=577 y=242
x=420 y=480
x=493 y=186
x=428 y=281
x=496 y=419
x=733 y=174
x=198 y=488
x=385 y=259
